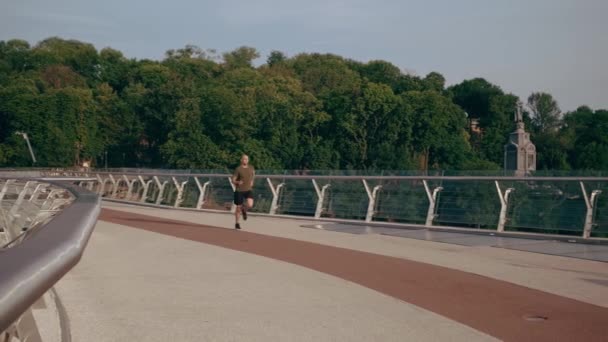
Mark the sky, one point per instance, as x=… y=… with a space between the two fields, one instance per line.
x=555 y=46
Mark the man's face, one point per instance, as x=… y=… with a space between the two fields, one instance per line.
x=244 y=160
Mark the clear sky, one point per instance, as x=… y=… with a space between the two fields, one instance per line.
x=557 y=46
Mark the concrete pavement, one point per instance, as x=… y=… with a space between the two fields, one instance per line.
x=578 y=279
x=135 y=285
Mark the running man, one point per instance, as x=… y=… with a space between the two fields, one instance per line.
x=242 y=178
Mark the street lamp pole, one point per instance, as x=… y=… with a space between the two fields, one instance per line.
x=29 y=146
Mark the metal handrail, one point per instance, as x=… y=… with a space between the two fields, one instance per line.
x=173 y=185
x=32 y=267
x=356 y=177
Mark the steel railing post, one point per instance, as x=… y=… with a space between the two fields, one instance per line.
x=146 y=186
x=504 y=203
x=590 y=203
x=161 y=189
x=233 y=206
x=274 y=205
x=180 y=191
x=114 y=186
x=430 y=215
x=320 y=197
x=371 y=195
x=130 y=185
x=202 y=189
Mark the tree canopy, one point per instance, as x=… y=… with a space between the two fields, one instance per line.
x=197 y=109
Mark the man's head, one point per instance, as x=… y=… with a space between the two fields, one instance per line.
x=244 y=160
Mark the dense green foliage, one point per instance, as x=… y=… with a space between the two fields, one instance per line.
x=193 y=110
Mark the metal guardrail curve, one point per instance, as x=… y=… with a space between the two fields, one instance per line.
x=33 y=266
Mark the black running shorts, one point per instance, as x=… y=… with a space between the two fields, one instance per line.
x=239 y=196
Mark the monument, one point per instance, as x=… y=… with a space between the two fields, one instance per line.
x=520 y=152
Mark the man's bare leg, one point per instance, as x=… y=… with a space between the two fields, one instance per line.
x=246 y=206
x=237 y=213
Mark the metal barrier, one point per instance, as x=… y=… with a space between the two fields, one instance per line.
x=532 y=204
x=45 y=226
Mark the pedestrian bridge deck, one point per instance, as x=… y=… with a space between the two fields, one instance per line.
x=153 y=274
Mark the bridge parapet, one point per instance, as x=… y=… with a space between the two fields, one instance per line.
x=549 y=205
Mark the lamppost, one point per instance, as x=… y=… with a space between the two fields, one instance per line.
x=29 y=146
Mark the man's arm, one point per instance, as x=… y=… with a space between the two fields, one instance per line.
x=235 y=176
x=252 y=177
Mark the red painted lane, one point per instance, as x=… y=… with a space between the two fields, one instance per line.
x=492 y=306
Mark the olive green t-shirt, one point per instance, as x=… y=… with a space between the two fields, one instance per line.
x=244 y=174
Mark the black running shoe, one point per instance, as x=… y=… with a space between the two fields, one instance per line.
x=244 y=211
x=237 y=226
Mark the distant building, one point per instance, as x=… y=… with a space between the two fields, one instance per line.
x=520 y=152
x=474 y=126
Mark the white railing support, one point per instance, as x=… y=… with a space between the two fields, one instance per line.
x=233 y=206
x=180 y=191
x=504 y=203
x=274 y=205
x=371 y=196
x=161 y=189
x=114 y=186
x=130 y=184
x=590 y=202
x=146 y=186
x=102 y=188
x=430 y=215
x=20 y=197
x=100 y=184
x=202 y=191
x=48 y=202
x=320 y=197
x=5 y=188
x=37 y=191
x=13 y=213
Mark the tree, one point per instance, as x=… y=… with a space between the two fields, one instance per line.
x=310 y=111
x=191 y=52
x=474 y=96
x=228 y=107
x=187 y=147
x=374 y=127
x=16 y=54
x=81 y=57
x=153 y=95
x=586 y=133
x=20 y=106
x=114 y=69
x=326 y=76
x=434 y=81
x=380 y=72
x=119 y=129
x=289 y=121
x=275 y=57
x=72 y=124
x=5 y=154
x=439 y=138
x=493 y=109
x=552 y=152
x=242 y=57
x=61 y=76
x=545 y=112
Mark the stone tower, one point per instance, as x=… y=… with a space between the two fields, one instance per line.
x=520 y=152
